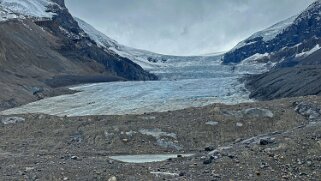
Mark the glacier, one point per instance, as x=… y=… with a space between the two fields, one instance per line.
x=190 y=82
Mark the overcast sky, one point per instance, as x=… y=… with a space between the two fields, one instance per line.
x=183 y=27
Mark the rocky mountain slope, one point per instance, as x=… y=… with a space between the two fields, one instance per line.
x=292 y=48
x=42 y=48
x=286 y=82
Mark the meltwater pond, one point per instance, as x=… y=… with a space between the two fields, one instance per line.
x=193 y=85
x=146 y=158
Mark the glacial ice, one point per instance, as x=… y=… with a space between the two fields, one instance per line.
x=199 y=83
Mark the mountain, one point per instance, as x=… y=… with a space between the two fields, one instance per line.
x=42 y=48
x=292 y=49
x=285 y=43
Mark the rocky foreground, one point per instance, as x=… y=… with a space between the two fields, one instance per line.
x=273 y=140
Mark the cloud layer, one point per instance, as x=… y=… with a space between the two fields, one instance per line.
x=183 y=27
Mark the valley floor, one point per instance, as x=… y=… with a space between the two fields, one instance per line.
x=271 y=140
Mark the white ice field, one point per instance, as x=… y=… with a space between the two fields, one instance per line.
x=192 y=82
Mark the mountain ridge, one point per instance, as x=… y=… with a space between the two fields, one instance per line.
x=290 y=35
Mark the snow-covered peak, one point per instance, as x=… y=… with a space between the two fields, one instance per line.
x=10 y=9
x=273 y=31
x=269 y=33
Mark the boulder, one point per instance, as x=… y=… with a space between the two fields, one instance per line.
x=308 y=110
x=112 y=178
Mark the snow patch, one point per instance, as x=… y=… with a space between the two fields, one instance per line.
x=6 y=14
x=255 y=64
x=307 y=53
x=12 y=120
x=254 y=58
x=157 y=133
x=12 y=9
x=212 y=123
x=165 y=174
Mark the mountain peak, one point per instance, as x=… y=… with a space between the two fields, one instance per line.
x=267 y=34
x=297 y=30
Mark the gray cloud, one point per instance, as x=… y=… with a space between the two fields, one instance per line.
x=183 y=27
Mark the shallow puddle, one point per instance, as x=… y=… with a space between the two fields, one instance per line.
x=146 y=158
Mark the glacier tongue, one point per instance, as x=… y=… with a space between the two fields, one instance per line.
x=188 y=83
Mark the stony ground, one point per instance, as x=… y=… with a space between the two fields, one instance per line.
x=272 y=140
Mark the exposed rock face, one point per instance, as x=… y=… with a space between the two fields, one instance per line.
x=304 y=28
